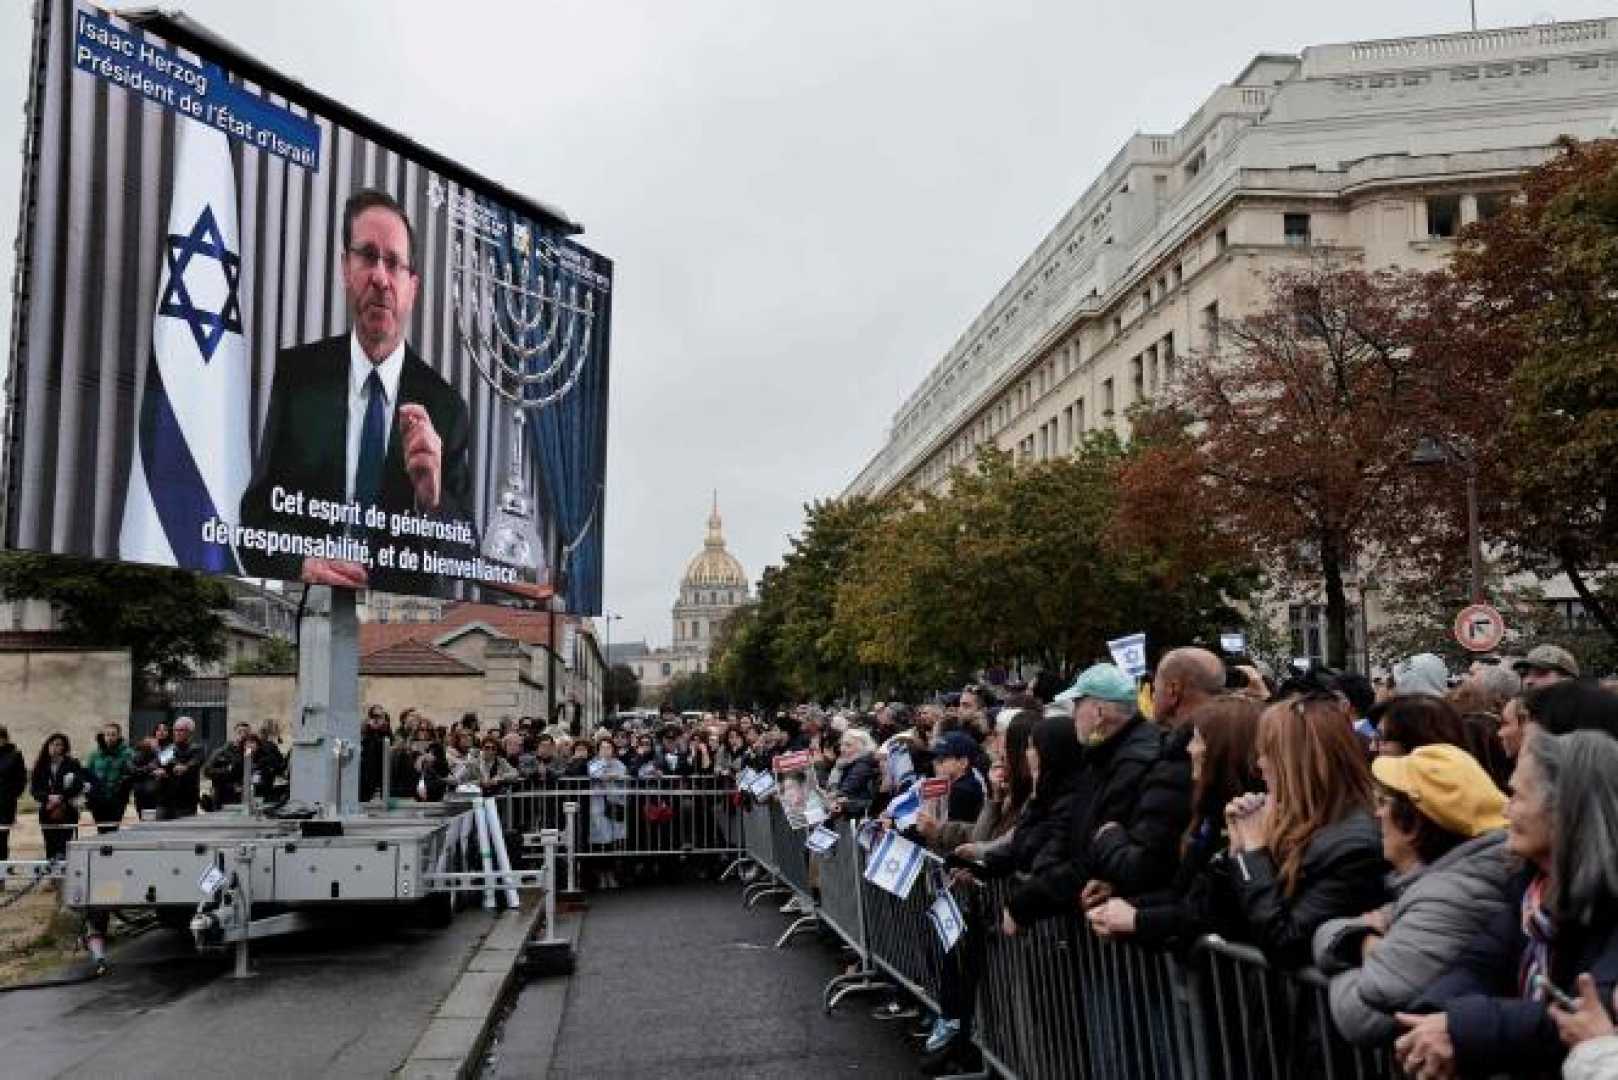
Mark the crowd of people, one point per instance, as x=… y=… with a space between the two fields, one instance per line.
x=1444 y=850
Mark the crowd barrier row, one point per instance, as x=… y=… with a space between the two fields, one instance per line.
x=1056 y=1000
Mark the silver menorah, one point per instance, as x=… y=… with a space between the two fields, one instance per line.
x=522 y=317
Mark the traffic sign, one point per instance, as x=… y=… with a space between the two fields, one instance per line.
x=1480 y=628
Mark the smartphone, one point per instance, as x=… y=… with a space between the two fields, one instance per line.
x=1550 y=990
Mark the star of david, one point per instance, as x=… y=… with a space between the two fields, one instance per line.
x=892 y=866
x=208 y=327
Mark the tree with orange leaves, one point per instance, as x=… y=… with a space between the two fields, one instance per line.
x=1292 y=439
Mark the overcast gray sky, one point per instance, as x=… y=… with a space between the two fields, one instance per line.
x=806 y=202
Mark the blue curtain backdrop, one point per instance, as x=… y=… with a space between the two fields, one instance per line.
x=568 y=436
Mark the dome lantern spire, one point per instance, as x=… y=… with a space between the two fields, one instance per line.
x=716 y=537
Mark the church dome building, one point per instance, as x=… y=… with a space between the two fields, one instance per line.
x=714 y=585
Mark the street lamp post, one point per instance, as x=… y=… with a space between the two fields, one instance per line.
x=1431 y=451
x=612 y=697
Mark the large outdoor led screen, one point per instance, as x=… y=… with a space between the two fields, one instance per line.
x=259 y=334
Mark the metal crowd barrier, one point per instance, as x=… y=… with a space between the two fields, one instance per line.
x=1057 y=1001
x=649 y=818
x=1266 y=1023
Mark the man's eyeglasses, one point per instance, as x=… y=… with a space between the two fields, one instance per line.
x=368 y=256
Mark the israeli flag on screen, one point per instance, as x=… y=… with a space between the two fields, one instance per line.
x=945 y=915
x=895 y=865
x=192 y=458
x=904 y=809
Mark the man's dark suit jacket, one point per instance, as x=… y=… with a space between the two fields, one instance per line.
x=304 y=448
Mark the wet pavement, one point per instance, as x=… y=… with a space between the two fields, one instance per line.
x=348 y=1001
x=682 y=981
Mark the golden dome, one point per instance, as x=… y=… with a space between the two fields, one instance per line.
x=713 y=567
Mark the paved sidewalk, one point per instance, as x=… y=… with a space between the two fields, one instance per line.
x=682 y=981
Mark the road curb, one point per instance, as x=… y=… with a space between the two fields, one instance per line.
x=451 y=1046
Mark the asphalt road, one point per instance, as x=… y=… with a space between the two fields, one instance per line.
x=681 y=981
x=344 y=1002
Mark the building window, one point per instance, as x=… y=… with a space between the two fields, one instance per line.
x=1210 y=325
x=1295 y=229
x=1307 y=623
x=1137 y=376
x=1117 y=325
x=1221 y=241
x=667 y=670
x=1067 y=427
x=1078 y=416
x=1443 y=215
x=1168 y=358
x=1492 y=203
x=1179 y=275
x=1107 y=401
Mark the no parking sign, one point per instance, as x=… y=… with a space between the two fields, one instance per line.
x=1480 y=628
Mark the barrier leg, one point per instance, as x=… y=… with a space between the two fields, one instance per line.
x=497 y=838
x=484 y=852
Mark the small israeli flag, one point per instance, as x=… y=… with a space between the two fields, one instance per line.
x=901 y=770
x=945 y=915
x=1129 y=653
x=821 y=841
x=895 y=865
x=763 y=786
x=906 y=807
x=870 y=832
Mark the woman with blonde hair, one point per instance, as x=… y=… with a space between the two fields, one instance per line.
x=1308 y=850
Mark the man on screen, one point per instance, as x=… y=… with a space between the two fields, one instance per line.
x=361 y=420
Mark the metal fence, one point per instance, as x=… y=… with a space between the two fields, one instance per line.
x=650 y=818
x=1056 y=1001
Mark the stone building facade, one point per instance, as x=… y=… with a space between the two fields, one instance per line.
x=1377 y=150
x=713 y=586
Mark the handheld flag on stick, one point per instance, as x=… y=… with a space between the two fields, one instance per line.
x=821 y=841
x=895 y=865
x=906 y=807
x=945 y=915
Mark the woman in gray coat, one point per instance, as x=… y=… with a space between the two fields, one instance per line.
x=1443 y=832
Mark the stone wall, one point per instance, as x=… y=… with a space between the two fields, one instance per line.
x=74 y=691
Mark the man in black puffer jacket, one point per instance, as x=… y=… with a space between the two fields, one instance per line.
x=1120 y=749
x=1141 y=855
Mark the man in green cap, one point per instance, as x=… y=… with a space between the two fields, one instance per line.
x=1110 y=825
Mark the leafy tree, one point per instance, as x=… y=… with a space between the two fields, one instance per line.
x=1296 y=433
x=798 y=600
x=744 y=651
x=1538 y=281
x=698 y=691
x=275 y=656
x=1023 y=563
x=167 y=619
x=623 y=687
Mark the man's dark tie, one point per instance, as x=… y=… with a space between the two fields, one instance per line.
x=368 y=474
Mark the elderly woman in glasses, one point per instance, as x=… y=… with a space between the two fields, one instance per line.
x=1494 y=1011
